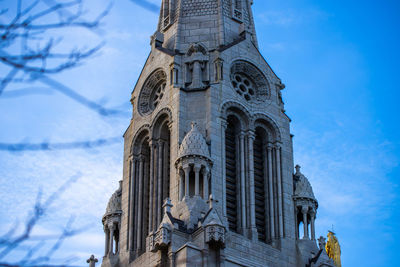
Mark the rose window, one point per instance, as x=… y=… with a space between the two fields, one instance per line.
x=152 y=92
x=244 y=86
x=249 y=82
x=158 y=94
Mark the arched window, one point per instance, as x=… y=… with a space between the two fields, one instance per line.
x=232 y=173
x=159 y=170
x=139 y=197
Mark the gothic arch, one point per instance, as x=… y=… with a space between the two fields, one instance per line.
x=195 y=48
x=161 y=164
x=260 y=119
x=265 y=71
x=143 y=130
x=239 y=111
x=249 y=81
x=163 y=116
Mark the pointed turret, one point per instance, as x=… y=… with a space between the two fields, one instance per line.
x=216 y=23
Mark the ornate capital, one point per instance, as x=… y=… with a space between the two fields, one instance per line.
x=304 y=209
x=269 y=146
x=224 y=123
x=312 y=213
x=278 y=145
x=251 y=134
x=197 y=167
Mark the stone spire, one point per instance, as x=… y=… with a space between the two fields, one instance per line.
x=215 y=23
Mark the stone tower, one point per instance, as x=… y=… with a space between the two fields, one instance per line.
x=208 y=163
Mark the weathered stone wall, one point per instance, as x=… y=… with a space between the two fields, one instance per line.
x=203 y=35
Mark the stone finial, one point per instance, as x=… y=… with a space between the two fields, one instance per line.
x=92 y=261
x=167 y=205
x=298 y=169
x=321 y=242
x=194 y=144
x=211 y=201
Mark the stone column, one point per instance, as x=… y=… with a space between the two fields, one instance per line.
x=312 y=215
x=279 y=182
x=253 y=226
x=132 y=194
x=242 y=182
x=165 y=172
x=223 y=166
x=181 y=187
x=106 y=246
x=140 y=206
x=111 y=247
x=136 y=196
x=304 y=210
x=186 y=169
x=205 y=184
x=296 y=210
x=197 y=169
x=160 y=180
x=151 y=190
x=271 y=192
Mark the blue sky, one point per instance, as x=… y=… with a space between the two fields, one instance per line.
x=338 y=60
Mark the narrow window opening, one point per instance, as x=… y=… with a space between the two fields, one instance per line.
x=191 y=183
x=232 y=173
x=260 y=184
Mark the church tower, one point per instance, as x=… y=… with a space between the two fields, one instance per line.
x=208 y=163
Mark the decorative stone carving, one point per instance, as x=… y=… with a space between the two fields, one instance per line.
x=244 y=86
x=194 y=144
x=113 y=210
x=152 y=92
x=248 y=81
x=199 y=8
x=161 y=238
x=303 y=189
x=213 y=226
x=215 y=233
x=196 y=67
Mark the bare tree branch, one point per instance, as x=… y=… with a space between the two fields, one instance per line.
x=79 y=98
x=9 y=242
x=147 y=5
x=21 y=38
x=46 y=146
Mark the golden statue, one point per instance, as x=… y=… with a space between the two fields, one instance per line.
x=333 y=249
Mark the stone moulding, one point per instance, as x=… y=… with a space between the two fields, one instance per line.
x=215 y=234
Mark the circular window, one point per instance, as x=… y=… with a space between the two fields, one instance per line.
x=152 y=92
x=248 y=81
x=243 y=85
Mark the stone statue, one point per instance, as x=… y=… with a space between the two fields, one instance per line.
x=333 y=249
